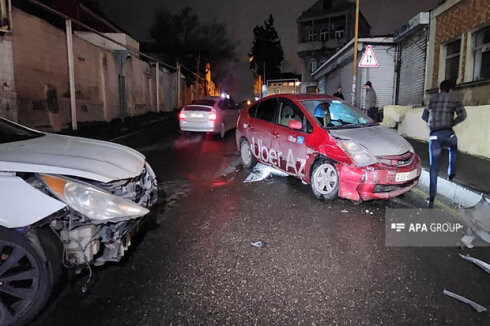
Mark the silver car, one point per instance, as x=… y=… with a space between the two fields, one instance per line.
x=212 y=114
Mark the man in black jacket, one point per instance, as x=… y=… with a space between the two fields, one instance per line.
x=439 y=114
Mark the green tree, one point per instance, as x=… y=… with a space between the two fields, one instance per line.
x=182 y=37
x=266 y=50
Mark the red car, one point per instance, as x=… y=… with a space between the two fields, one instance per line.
x=329 y=144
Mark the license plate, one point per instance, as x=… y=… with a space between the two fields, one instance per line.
x=197 y=115
x=405 y=176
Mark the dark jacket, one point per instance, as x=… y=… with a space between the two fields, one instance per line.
x=439 y=113
x=339 y=95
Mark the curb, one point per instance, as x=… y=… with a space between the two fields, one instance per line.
x=451 y=190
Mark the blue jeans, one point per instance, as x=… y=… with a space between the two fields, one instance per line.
x=437 y=140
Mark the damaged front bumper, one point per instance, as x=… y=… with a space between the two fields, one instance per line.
x=94 y=242
x=377 y=181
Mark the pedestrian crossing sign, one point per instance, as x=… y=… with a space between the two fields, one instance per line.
x=368 y=59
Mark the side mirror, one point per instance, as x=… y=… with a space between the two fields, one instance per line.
x=295 y=125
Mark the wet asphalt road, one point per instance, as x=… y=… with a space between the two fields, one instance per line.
x=320 y=266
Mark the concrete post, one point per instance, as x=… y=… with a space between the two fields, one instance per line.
x=71 y=73
x=157 y=74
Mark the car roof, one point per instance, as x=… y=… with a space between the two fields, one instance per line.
x=303 y=97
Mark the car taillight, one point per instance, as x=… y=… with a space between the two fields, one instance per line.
x=213 y=116
x=182 y=115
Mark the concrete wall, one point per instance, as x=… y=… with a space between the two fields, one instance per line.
x=39 y=66
x=473 y=133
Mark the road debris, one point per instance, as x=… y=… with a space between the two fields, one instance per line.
x=477 y=262
x=261 y=172
x=477 y=219
x=259 y=244
x=344 y=211
x=473 y=304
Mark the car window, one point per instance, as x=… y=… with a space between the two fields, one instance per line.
x=222 y=104
x=252 y=110
x=10 y=132
x=206 y=101
x=287 y=112
x=266 y=110
x=334 y=114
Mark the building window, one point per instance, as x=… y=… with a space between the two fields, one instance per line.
x=482 y=54
x=312 y=65
x=452 y=60
x=312 y=36
x=324 y=34
x=339 y=32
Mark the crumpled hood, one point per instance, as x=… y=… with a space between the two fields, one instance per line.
x=81 y=157
x=379 y=140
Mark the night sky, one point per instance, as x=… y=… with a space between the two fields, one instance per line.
x=240 y=16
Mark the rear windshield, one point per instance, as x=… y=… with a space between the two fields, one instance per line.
x=209 y=102
x=334 y=114
x=10 y=132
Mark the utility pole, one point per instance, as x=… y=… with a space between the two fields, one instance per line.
x=354 y=70
x=71 y=74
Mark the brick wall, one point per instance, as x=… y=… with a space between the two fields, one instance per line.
x=456 y=21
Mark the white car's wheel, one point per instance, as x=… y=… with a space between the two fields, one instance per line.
x=248 y=159
x=222 y=130
x=25 y=279
x=325 y=180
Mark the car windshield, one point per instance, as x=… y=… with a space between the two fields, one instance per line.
x=334 y=114
x=10 y=132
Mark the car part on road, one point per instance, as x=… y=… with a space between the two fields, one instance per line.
x=478 y=221
x=248 y=159
x=473 y=304
x=325 y=180
x=25 y=278
x=259 y=244
x=261 y=172
x=477 y=262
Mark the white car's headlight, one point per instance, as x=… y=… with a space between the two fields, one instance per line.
x=91 y=201
x=359 y=154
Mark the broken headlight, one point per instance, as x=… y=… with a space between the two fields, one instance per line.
x=91 y=201
x=359 y=154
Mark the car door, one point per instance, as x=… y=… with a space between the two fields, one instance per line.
x=260 y=130
x=290 y=144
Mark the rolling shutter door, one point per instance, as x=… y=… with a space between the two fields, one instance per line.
x=412 y=70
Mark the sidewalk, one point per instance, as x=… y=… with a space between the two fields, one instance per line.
x=471 y=172
x=109 y=130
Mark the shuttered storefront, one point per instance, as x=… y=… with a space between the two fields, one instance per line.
x=382 y=78
x=412 y=69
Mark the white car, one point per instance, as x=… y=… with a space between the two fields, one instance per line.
x=212 y=114
x=65 y=201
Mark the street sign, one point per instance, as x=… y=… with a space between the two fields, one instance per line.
x=368 y=59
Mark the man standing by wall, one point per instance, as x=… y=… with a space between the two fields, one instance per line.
x=372 y=111
x=439 y=114
x=339 y=93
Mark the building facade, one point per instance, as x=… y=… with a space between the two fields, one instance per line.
x=338 y=71
x=459 y=49
x=411 y=41
x=323 y=29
